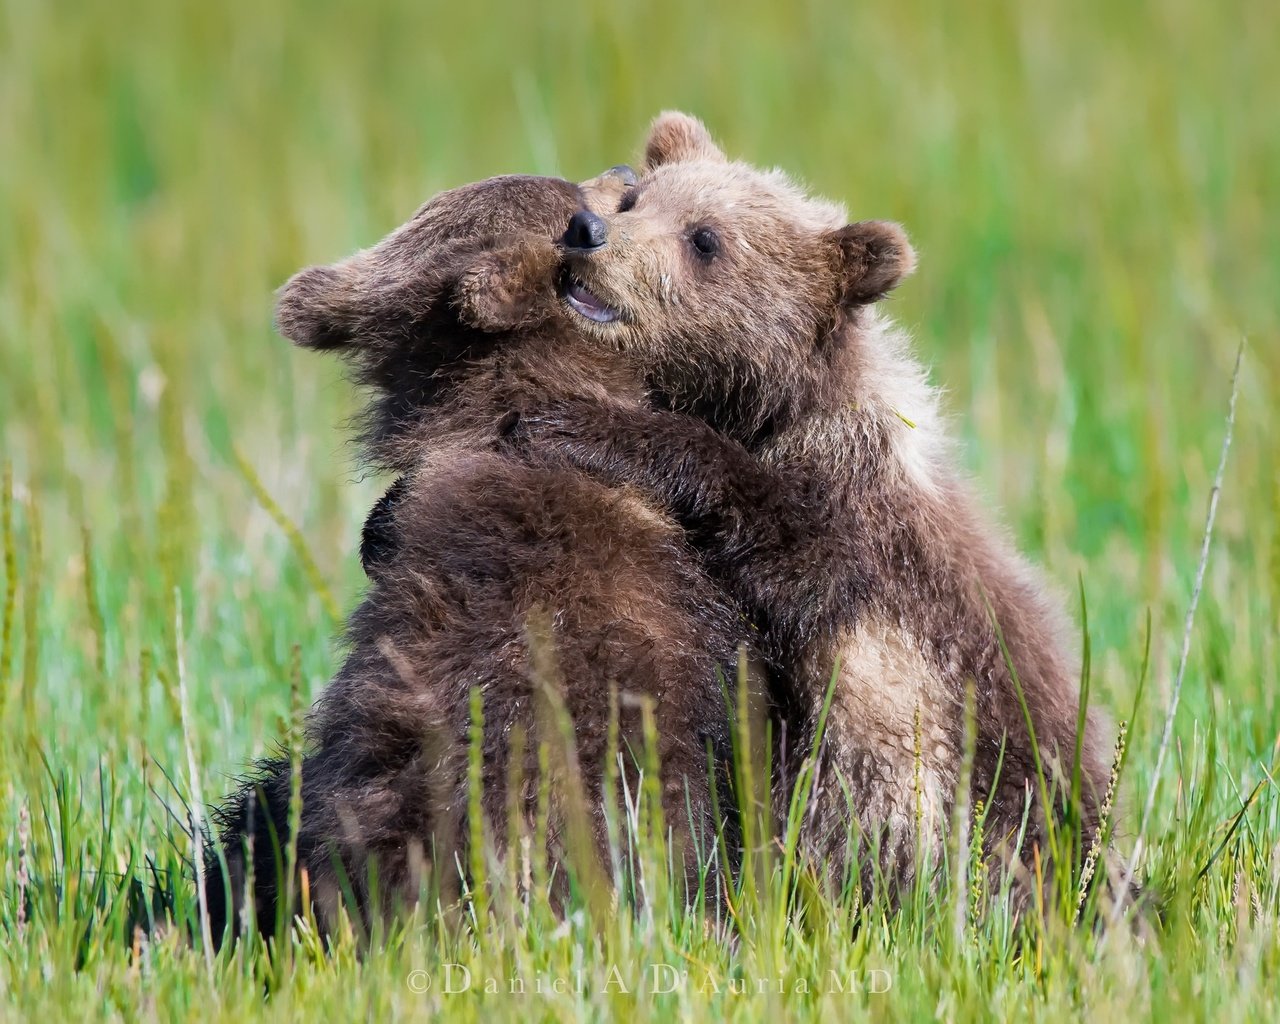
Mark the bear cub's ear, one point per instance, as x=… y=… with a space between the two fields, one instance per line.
x=675 y=138
x=874 y=257
x=318 y=307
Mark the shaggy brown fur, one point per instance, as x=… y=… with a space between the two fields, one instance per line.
x=824 y=496
x=490 y=540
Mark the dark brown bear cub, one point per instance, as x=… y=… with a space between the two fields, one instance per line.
x=493 y=545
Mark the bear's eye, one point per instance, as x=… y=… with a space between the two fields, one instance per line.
x=627 y=201
x=706 y=241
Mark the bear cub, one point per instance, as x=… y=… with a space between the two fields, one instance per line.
x=514 y=576
x=802 y=448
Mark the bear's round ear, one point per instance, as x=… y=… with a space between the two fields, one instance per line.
x=874 y=256
x=318 y=307
x=675 y=137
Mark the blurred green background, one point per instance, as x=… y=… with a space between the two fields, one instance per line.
x=1093 y=187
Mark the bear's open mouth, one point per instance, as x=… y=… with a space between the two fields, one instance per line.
x=582 y=300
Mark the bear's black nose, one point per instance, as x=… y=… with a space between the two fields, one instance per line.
x=586 y=231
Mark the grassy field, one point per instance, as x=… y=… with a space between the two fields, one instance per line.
x=1094 y=190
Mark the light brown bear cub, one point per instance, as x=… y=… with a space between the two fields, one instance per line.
x=825 y=496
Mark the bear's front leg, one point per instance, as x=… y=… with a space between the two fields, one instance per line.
x=762 y=533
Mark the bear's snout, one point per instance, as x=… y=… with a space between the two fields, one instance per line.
x=586 y=231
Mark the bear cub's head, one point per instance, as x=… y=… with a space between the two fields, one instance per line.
x=475 y=267
x=715 y=273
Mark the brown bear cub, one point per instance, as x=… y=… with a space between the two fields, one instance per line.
x=510 y=573
x=824 y=496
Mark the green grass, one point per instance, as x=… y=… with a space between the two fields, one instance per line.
x=1093 y=188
